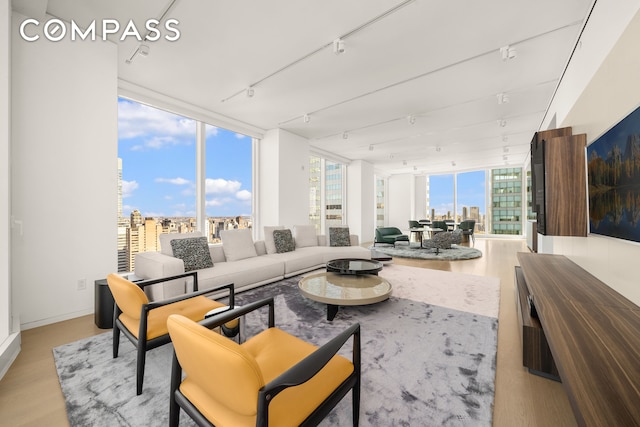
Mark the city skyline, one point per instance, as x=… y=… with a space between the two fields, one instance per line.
x=158 y=152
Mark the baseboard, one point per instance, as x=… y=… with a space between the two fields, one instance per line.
x=55 y=319
x=9 y=351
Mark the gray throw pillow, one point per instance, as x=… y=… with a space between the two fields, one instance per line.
x=339 y=236
x=193 y=251
x=283 y=240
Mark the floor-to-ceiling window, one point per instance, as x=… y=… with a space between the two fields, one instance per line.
x=315 y=191
x=157 y=188
x=228 y=181
x=506 y=201
x=381 y=184
x=471 y=198
x=494 y=198
x=334 y=193
x=327 y=193
x=440 y=190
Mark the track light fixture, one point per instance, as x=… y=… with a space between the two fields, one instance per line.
x=505 y=149
x=502 y=123
x=370 y=147
x=503 y=98
x=453 y=163
x=438 y=149
x=338 y=46
x=345 y=135
x=250 y=92
x=306 y=118
x=507 y=52
x=142 y=50
x=411 y=119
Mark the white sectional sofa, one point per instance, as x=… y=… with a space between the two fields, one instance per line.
x=241 y=261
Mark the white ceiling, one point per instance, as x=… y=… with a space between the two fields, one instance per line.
x=439 y=61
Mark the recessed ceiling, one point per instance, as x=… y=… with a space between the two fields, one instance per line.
x=439 y=62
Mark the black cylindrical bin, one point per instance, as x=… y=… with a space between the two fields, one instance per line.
x=103 y=310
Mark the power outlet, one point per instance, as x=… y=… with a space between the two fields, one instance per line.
x=82 y=284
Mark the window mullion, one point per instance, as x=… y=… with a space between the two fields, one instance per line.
x=201 y=200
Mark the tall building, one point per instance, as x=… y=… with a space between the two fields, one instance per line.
x=315 y=190
x=333 y=194
x=123 y=226
x=474 y=213
x=506 y=201
x=136 y=219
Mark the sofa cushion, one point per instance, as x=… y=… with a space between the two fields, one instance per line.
x=339 y=236
x=305 y=236
x=268 y=237
x=245 y=273
x=283 y=241
x=166 y=238
x=300 y=260
x=193 y=251
x=238 y=244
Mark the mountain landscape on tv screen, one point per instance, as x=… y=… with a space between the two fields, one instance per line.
x=614 y=181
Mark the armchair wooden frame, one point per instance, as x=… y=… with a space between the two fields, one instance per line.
x=143 y=344
x=298 y=374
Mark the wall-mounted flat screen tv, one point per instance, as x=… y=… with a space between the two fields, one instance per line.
x=614 y=180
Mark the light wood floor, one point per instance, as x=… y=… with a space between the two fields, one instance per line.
x=30 y=393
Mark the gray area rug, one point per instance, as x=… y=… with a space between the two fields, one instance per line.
x=422 y=364
x=413 y=250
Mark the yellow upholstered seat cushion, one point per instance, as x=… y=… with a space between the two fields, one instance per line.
x=130 y=299
x=192 y=308
x=276 y=351
x=223 y=378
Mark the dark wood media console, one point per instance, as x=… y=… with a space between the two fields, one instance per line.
x=593 y=334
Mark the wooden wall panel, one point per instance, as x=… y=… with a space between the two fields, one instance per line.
x=566 y=186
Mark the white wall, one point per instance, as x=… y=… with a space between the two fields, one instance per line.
x=64 y=174
x=420 y=198
x=361 y=200
x=612 y=92
x=401 y=200
x=9 y=335
x=283 y=180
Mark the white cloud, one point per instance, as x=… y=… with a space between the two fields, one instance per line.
x=219 y=185
x=211 y=130
x=137 y=120
x=174 y=181
x=240 y=136
x=128 y=187
x=243 y=195
x=215 y=202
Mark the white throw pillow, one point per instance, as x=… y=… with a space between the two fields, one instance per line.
x=269 y=243
x=305 y=235
x=166 y=238
x=238 y=244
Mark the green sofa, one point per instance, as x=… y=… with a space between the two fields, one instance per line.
x=389 y=235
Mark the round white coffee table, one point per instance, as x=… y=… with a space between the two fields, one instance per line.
x=336 y=289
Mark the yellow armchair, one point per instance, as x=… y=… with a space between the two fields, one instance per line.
x=273 y=378
x=144 y=323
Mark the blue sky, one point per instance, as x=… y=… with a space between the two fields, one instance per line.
x=470 y=188
x=158 y=152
